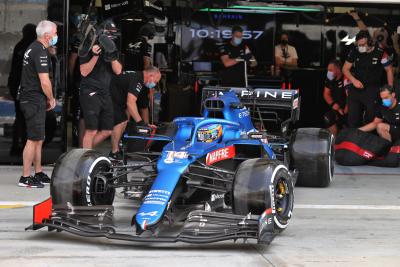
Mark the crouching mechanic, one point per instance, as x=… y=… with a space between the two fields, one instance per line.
x=335 y=96
x=128 y=92
x=387 y=120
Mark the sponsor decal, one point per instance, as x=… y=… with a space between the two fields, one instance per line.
x=151 y=213
x=268 y=94
x=220 y=154
x=244 y=113
x=172 y=155
x=296 y=103
x=348 y=41
x=157 y=197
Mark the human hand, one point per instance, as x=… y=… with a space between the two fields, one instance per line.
x=395 y=37
x=354 y=14
x=357 y=84
x=51 y=104
x=96 y=50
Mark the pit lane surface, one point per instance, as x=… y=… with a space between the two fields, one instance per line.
x=355 y=222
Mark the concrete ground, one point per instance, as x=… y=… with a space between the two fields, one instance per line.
x=354 y=222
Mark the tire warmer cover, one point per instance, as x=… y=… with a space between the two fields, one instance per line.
x=392 y=159
x=354 y=147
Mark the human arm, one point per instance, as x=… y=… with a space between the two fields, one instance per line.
x=346 y=71
x=228 y=62
x=116 y=67
x=329 y=100
x=371 y=126
x=87 y=67
x=360 y=24
x=389 y=74
x=132 y=107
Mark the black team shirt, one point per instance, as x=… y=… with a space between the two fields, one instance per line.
x=127 y=82
x=99 y=79
x=36 y=60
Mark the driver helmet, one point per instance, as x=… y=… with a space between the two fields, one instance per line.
x=209 y=133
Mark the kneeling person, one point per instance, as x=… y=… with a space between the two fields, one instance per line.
x=387 y=119
x=335 y=96
x=127 y=90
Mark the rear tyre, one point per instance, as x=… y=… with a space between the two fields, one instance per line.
x=77 y=179
x=261 y=184
x=312 y=154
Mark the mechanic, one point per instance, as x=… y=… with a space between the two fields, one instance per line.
x=14 y=81
x=139 y=59
x=285 y=54
x=364 y=67
x=96 y=70
x=380 y=36
x=335 y=96
x=387 y=120
x=128 y=92
x=36 y=96
x=232 y=55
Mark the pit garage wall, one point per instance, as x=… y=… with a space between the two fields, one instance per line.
x=14 y=14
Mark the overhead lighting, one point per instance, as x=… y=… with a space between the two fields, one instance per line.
x=278 y=8
x=232 y=10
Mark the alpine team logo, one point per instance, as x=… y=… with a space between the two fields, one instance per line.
x=348 y=41
x=26 y=55
x=220 y=154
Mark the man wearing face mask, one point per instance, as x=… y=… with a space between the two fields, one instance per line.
x=285 y=54
x=233 y=54
x=336 y=97
x=364 y=67
x=387 y=119
x=36 y=96
x=128 y=92
x=138 y=58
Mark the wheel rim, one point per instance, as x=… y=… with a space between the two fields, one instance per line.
x=100 y=194
x=282 y=199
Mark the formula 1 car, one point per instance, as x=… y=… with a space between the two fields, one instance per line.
x=216 y=177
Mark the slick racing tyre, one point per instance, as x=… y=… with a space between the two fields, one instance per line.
x=261 y=184
x=312 y=154
x=77 y=179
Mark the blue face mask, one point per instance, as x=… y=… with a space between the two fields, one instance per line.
x=330 y=75
x=387 y=103
x=53 y=40
x=237 y=41
x=150 y=85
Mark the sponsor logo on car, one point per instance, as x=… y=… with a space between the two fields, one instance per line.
x=220 y=154
x=172 y=155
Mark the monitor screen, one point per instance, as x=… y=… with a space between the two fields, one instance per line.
x=202 y=66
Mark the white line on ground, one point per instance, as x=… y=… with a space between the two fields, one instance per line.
x=296 y=206
x=346 y=207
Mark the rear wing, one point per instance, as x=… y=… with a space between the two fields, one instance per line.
x=267 y=106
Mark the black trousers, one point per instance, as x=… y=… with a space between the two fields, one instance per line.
x=362 y=105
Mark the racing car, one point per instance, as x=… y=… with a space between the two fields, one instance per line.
x=213 y=178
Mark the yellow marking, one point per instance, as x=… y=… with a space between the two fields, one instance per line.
x=16 y=206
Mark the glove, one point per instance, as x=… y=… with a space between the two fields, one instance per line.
x=108 y=57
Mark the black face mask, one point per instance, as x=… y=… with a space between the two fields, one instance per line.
x=284 y=42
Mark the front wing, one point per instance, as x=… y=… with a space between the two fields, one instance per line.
x=199 y=227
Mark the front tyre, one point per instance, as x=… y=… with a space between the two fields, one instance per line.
x=81 y=178
x=260 y=186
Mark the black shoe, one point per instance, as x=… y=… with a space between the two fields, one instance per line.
x=42 y=177
x=116 y=156
x=30 y=181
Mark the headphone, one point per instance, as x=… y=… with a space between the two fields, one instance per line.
x=365 y=35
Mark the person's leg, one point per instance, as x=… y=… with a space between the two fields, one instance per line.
x=37 y=162
x=88 y=138
x=116 y=135
x=355 y=111
x=383 y=131
x=81 y=131
x=28 y=156
x=101 y=136
x=91 y=106
x=370 y=105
